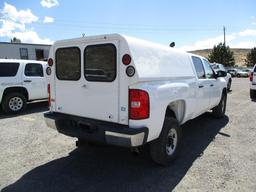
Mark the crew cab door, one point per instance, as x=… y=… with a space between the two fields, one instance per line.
x=214 y=85
x=203 y=87
x=87 y=80
x=35 y=81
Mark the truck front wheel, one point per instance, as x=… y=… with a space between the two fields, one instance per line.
x=165 y=149
x=14 y=103
x=220 y=109
x=229 y=85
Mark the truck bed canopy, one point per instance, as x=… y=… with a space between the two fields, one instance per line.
x=154 y=60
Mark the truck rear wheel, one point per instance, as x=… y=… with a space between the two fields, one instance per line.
x=220 y=109
x=165 y=149
x=14 y=103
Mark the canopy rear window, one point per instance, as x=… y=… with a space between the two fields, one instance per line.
x=8 y=69
x=68 y=63
x=100 y=63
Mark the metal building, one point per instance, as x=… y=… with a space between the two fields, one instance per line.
x=24 y=51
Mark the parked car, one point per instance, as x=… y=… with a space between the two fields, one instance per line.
x=146 y=93
x=253 y=83
x=232 y=72
x=242 y=73
x=21 y=81
x=219 y=67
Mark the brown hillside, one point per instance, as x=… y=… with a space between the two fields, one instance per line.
x=239 y=54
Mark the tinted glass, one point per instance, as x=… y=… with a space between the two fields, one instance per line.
x=23 y=53
x=100 y=62
x=8 y=69
x=34 y=70
x=208 y=70
x=68 y=63
x=199 y=67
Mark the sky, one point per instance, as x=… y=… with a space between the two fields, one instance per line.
x=192 y=25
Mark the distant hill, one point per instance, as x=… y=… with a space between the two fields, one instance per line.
x=239 y=54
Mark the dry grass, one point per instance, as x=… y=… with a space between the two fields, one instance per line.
x=239 y=54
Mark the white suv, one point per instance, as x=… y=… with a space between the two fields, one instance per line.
x=253 y=83
x=21 y=81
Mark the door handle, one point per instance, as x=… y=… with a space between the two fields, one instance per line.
x=84 y=86
x=27 y=81
x=211 y=85
x=200 y=86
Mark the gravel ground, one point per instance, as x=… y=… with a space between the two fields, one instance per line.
x=218 y=155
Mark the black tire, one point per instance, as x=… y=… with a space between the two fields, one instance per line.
x=158 y=147
x=220 y=109
x=14 y=103
x=253 y=94
x=229 y=85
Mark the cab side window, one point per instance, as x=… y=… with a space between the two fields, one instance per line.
x=199 y=67
x=208 y=70
x=34 y=70
x=8 y=69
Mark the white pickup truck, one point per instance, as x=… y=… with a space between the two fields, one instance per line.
x=128 y=92
x=21 y=81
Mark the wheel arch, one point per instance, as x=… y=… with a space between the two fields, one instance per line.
x=176 y=109
x=22 y=90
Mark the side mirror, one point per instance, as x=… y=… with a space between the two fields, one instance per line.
x=221 y=74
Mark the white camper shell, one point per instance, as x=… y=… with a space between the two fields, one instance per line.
x=119 y=90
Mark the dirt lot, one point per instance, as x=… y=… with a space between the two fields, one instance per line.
x=218 y=155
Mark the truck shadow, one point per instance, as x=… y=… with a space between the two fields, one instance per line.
x=108 y=168
x=36 y=107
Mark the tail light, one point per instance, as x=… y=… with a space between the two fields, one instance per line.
x=251 y=76
x=49 y=94
x=50 y=62
x=126 y=59
x=138 y=104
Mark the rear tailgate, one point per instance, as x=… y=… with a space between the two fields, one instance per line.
x=87 y=80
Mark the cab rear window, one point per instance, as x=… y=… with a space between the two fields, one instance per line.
x=68 y=63
x=9 y=69
x=100 y=63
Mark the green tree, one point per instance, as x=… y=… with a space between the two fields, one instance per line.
x=15 y=40
x=222 y=54
x=251 y=57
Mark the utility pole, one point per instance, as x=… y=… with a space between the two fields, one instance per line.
x=224 y=30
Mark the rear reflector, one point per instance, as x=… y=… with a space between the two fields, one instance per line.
x=49 y=94
x=138 y=104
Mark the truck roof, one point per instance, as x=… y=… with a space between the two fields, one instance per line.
x=151 y=60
